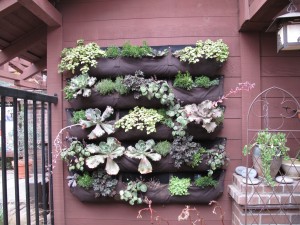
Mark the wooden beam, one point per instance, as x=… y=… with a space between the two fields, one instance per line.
x=8 y=75
x=22 y=44
x=8 y=6
x=16 y=64
x=44 y=10
x=31 y=85
x=34 y=69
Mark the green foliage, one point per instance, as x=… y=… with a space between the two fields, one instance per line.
x=206 y=181
x=85 y=181
x=103 y=184
x=120 y=87
x=133 y=51
x=140 y=118
x=184 y=80
x=75 y=156
x=197 y=157
x=82 y=56
x=105 y=87
x=113 y=52
x=163 y=148
x=132 y=193
x=134 y=82
x=205 y=82
x=108 y=150
x=143 y=150
x=78 y=116
x=177 y=120
x=217 y=50
x=216 y=158
x=94 y=118
x=183 y=150
x=179 y=186
x=79 y=85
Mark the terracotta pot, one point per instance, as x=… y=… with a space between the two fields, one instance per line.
x=291 y=167
x=21 y=167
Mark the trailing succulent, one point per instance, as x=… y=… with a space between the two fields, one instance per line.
x=140 y=118
x=94 y=118
x=143 y=150
x=133 y=192
x=79 y=85
x=208 y=49
x=204 y=113
x=179 y=186
x=108 y=150
x=75 y=156
x=82 y=56
x=183 y=150
x=103 y=184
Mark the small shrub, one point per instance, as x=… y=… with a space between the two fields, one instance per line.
x=205 y=82
x=179 y=186
x=184 y=80
x=133 y=51
x=120 y=87
x=206 y=181
x=105 y=87
x=163 y=148
x=113 y=52
x=85 y=181
x=78 y=116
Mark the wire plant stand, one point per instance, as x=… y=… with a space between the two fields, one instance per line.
x=276 y=110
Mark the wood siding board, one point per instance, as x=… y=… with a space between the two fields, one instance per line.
x=8 y=6
x=291 y=84
x=151 y=28
x=280 y=66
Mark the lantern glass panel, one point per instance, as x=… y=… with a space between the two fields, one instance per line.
x=293 y=33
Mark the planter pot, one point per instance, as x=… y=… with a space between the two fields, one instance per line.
x=257 y=163
x=291 y=167
x=21 y=167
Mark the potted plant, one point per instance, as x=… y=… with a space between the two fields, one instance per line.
x=268 y=151
x=291 y=167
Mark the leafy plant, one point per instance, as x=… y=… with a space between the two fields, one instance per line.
x=140 y=118
x=133 y=51
x=216 y=158
x=163 y=148
x=120 y=86
x=85 y=181
x=94 y=118
x=104 y=184
x=142 y=151
x=105 y=87
x=78 y=116
x=79 y=85
x=108 y=150
x=75 y=156
x=184 y=80
x=217 y=50
x=197 y=157
x=205 y=82
x=183 y=150
x=205 y=113
x=133 y=191
x=83 y=56
x=179 y=186
x=177 y=120
x=113 y=52
x=206 y=181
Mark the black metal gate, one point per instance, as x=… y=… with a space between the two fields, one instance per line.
x=26 y=197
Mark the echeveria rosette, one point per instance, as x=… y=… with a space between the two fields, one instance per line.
x=108 y=150
x=95 y=118
x=141 y=151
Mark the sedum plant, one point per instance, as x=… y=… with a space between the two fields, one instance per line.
x=208 y=49
x=103 y=184
x=183 y=150
x=206 y=181
x=132 y=193
x=79 y=85
x=120 y=87
x=163 y=148
x=184 y=81
x=95 y=118
x=108 y=150
x=105 y=87
x=205 y=113
x=140 y=118
x=205 y=82
x=75 y=156
x=82 y=56
x=134 y=51
x=113 y=52
x=143 y=150
x=179 y=186
x=85 y=181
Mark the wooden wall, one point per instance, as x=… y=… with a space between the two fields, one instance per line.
x=169 y=22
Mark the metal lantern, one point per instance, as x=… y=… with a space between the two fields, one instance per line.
x=287 y=27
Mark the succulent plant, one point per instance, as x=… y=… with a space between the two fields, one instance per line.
x=216 y=158
x=108 y=150
x=143 y=150
x=79 y=85
x=103 y=184
x=205 y=113
x=179 y=186
x=205 y=82
x=105 y=87
x=163 y=148
x=178 y=120
x=85 y=181
x=94 y=118
x=206 y=181
x=133 y=191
